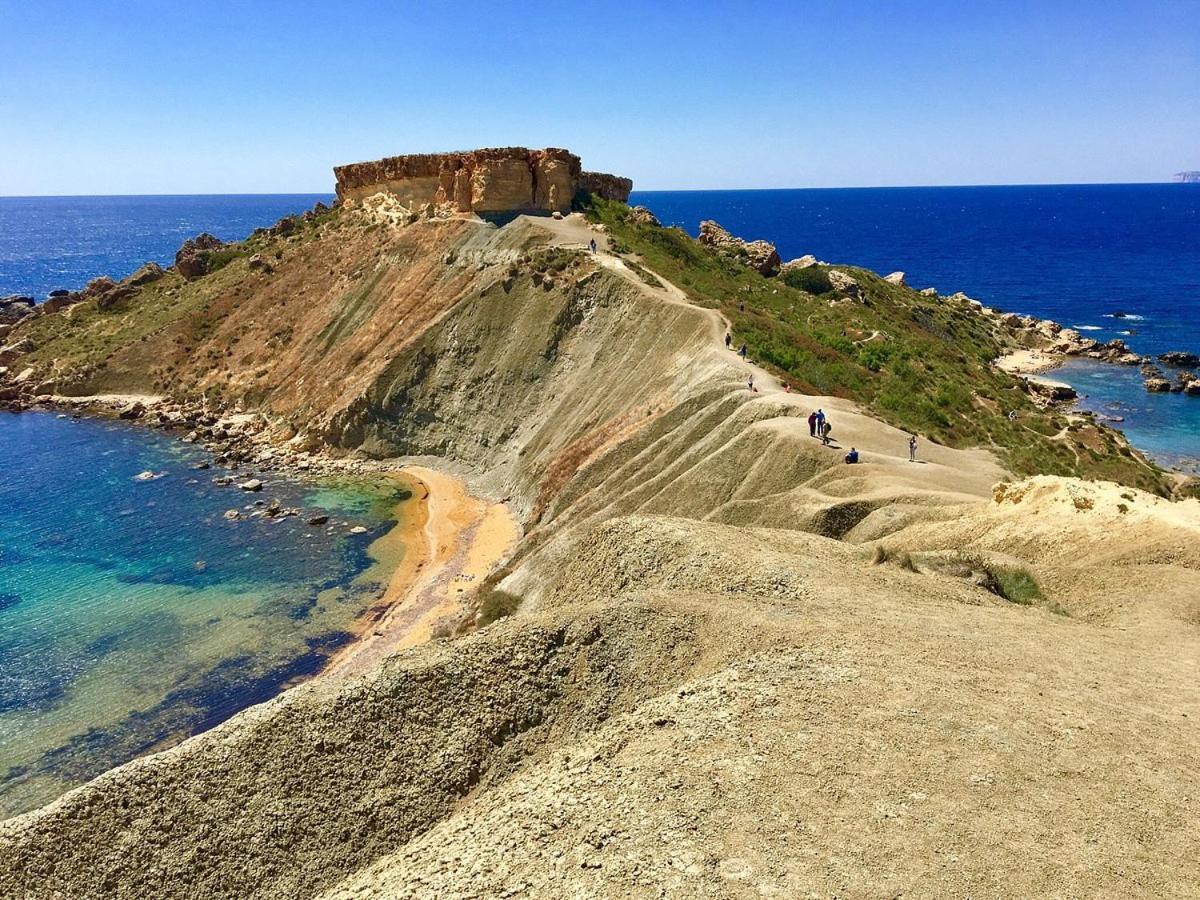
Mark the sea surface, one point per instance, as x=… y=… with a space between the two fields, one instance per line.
x=1119 y=260
x=48 y=243
x=133 y=613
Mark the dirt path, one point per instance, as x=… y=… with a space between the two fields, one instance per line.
x=883 y=449
x=463 y=539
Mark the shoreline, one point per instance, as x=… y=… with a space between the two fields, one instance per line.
x=448 y=539
x=463 y=539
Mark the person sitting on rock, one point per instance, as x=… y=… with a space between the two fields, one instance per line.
x=852 y=457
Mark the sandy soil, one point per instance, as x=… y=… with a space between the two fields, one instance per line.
x=1029 y=362
x=459 y=539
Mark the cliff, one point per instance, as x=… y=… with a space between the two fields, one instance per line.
x=491 y=180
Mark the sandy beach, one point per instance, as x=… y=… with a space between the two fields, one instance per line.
x=452 y=540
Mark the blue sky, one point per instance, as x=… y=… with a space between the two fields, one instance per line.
x=140 y=97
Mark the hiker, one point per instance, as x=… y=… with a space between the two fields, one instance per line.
x=593 y=245
x=812 y=424
x=820 y=421
x=728 y=341
x=852 y=457
x=742 y=351
x=825 y=429
x=750 y=383
x=912 y=448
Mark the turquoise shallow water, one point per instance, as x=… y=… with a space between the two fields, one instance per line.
x=1164 y=426
x=132 y=613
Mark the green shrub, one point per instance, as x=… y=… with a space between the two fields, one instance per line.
x=496 y=605
x=811 y=280
x=1016 y=585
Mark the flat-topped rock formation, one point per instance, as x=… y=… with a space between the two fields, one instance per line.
x=491 y=180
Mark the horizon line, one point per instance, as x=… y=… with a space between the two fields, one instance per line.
x=636 y=190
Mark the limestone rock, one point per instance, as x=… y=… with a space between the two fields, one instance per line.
x=758 y=255
x=643 y=216
x=929 y=292
x=490 y=180
x=191 y=260
x=1179 y=358
x=845 y=283
x=896 y=278
x=254 y=485
x=145 y=274
x=802 y=262
x=1156 y=384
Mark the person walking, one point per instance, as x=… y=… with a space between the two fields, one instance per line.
x=820 y=422
x=742 y=351
x=825 y=429
x=593 y=245
x=728 y=341
x=750 y=384
x=912 y=448
x=812 y=424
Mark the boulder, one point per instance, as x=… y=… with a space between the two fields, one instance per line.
x=134 y=410
x=318 y=520
x=97 y=286
x=191 y=260
x=643 y=216
x=844 y=283
x=257 y=263
x=1156 y=384
x=1050 y=391
x=1192 y=387
x=758 y=255
x=894 y=278
x=145 y=274
x=801 y=262
x=254 y=485
x=13 y=352
x=929 y=292
x=1179 y=358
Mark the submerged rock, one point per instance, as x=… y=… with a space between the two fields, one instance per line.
x=253 y=485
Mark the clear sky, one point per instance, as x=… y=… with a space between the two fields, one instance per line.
x=220 y=97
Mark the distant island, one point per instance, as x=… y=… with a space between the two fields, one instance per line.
x=1188 y=177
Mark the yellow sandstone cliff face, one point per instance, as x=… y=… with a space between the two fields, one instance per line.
x=491 y=180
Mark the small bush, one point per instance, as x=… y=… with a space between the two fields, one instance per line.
x=1016 y=585
x=811 y=280
x=496 y=605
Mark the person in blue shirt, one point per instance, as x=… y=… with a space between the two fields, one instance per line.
x=852 y=457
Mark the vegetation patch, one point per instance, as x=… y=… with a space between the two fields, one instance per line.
x=932 y=374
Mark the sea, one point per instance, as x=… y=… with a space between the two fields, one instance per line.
x=133 y=613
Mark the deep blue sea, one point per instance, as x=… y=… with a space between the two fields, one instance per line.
x=47 y=243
